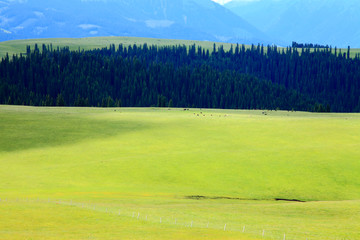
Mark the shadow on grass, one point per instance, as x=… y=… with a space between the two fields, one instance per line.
x=28 y=130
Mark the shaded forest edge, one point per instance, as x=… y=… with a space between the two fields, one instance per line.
x=320 y=80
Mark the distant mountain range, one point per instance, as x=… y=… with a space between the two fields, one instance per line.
x=175 y=19
x=332 y=22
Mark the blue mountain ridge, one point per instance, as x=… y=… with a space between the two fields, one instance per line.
x=330 y=22
x=171 y=19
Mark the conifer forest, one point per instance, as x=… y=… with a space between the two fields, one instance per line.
x=256 y=77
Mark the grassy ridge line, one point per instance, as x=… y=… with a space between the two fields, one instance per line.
x=19 y=46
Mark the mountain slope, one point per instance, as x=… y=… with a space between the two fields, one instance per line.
x=179 y=19
x=309 y=21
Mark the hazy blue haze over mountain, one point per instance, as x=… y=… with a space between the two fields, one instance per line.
x=178 y=19
x=332 y=22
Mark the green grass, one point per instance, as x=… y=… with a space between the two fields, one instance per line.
x=19 y=46
x=148 y=161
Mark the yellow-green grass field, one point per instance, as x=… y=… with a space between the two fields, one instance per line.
x=19 y=46
x=149 y=173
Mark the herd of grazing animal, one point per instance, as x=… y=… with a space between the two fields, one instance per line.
x=201 y=114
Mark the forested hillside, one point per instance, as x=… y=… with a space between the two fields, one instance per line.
x=256 y=78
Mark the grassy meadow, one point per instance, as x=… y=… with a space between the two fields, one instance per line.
x=19 y=46
x=150 y=173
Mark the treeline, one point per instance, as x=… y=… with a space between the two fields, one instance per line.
x=308 y=45
x=177 y=76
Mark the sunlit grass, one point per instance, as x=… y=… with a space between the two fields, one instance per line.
x=148 y=162
x=19 y=46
